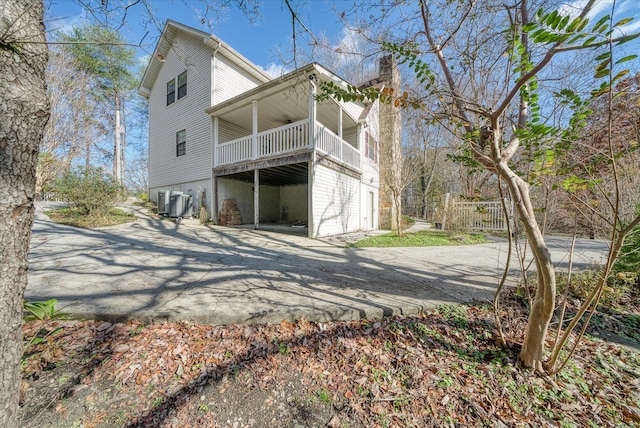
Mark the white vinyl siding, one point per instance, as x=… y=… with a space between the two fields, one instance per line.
x=229 y=81
x=370 y=169
x=336 y=202
x=165 y=168
x=228 y=131
x=350 y=135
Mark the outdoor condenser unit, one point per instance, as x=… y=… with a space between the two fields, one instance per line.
x=163 y=201
x=180 y=205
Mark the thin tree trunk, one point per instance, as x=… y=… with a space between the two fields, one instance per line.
x=426 y=182
x=24 y=108
x=123 y=149
x=544 y=298
x=116 y=154
x=85 y=123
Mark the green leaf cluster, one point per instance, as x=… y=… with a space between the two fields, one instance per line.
x=42 y=311
x=407 y=55
x=556 y=28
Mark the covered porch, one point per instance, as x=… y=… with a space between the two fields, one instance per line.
x=267 y=141
x=283 y=118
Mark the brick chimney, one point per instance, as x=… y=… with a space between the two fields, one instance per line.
x=390 y=146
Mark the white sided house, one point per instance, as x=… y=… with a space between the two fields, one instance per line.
x=255 y=150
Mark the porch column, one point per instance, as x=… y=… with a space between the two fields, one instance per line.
x=215 y=126
x=340 y=132
x=256 y=198
x=312 y=114
x=254 y=142
x=213 y=198
x=312 y=162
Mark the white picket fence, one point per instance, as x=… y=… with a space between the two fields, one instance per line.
x=479 y=215
x=48 y=196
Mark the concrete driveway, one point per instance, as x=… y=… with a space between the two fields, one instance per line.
x=155 y=270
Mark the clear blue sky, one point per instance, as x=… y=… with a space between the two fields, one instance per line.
x=258 y=42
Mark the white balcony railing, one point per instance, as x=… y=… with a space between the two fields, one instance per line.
x=234 y=151
x=329 y=143
x=287 y=139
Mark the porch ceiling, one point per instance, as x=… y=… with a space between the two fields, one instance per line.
x=277 y=176
x=280 y=102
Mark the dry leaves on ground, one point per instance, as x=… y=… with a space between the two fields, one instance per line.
x=444 y=368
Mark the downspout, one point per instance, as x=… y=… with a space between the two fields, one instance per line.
x=213 y=209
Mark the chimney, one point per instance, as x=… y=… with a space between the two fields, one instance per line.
x=390 y=148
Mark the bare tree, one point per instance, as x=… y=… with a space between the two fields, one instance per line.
x=68 y=132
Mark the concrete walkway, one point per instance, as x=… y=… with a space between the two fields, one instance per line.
x=155 y=270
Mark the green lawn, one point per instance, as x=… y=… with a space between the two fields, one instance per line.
x=73 y=217
x=423 y=238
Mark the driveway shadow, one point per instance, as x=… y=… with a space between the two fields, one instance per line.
x=157 y=270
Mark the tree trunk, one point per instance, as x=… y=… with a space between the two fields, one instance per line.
x=24 y=108
x=123 y=144
x=116 y=150
x=544 y=299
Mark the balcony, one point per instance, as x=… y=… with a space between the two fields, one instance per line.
x=286 y=140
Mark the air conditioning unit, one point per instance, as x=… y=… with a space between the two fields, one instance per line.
x=180 y=205
x=163 y=201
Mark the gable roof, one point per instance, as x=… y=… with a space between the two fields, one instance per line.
x=169 y=33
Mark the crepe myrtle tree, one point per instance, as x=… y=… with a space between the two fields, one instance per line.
x=503 y=128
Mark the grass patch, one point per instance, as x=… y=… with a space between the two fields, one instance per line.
x=423 y=238
x=73 y=217
x=148 y=205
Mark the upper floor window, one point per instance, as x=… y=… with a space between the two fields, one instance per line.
x=171 y=91
x=371 y=147
x=182 y=85
x=181 y=143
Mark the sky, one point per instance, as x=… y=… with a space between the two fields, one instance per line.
x=259 y=41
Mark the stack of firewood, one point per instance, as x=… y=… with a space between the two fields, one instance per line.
x=230 y=214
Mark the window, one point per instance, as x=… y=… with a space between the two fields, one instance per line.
x=181 y=143
x=182 y=85
x=371 y=147
x=171 y=91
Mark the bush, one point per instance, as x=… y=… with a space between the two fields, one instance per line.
x=90 y=191
x=583 y=282
x=627 y=265
x=626 y=269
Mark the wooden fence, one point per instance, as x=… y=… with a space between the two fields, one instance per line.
x=478 y=215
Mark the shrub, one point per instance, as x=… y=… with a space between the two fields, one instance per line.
x=628 y=261
x=90 y=191
x=627 y=265
x=582 y=282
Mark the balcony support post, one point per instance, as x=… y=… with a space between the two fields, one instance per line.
x=254 y=135
x=256 y=198
x=312 y=162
